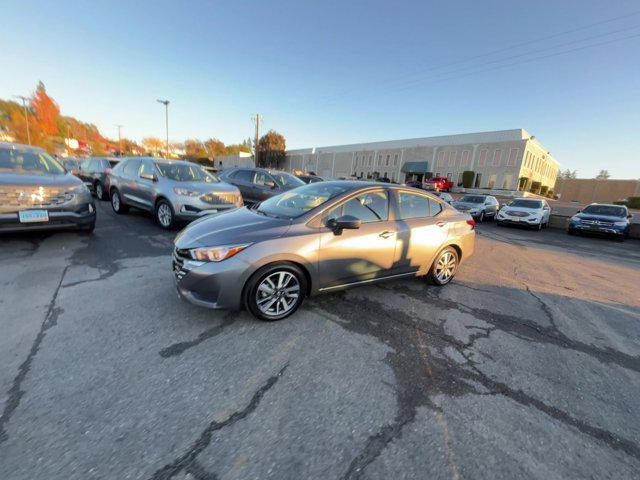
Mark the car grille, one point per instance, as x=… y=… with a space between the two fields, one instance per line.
x=179 y=257
x=596 y=223
x=517 y=214
x=220 y=198
x=27 y=197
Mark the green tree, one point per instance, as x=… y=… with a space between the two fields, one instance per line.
x=603 y=175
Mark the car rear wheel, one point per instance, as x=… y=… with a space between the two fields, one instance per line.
x=444 y=267
x=164 y=214
x=116 y=202
x=275 y=291
x=99 y=189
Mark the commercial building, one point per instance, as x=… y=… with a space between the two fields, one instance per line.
x=591 y=190
x=242 y=159
x=506 y=159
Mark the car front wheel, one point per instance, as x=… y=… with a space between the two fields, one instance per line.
x=275 y=291
x=444 y=267
x=164 y=214
x=116 y=202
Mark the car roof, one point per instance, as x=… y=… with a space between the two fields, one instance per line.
x=606 y=205
x=20 y=146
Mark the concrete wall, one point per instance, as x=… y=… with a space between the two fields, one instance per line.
x=230 y=161
x=588 y=190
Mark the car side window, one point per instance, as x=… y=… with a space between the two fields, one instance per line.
x=147 y=168
x=369 y=207
x=243 y=175
x=262 y=178
x=434 y=207
x=131 y=168
x=413 y=205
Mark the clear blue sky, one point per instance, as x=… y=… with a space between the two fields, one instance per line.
x=333 y=72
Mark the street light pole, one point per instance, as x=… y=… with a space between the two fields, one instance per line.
x=120 y=138
x=26 y=115
x=166 y=117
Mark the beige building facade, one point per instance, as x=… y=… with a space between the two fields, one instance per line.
x=498 y=159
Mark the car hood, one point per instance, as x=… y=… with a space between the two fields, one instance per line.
x=604 y=218
x=205 y=187
x=38 y=180
x=227 y=228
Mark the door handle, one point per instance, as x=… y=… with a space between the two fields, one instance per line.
x=441 y=224
x=386 y=234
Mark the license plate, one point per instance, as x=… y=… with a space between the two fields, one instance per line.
x=31 y=216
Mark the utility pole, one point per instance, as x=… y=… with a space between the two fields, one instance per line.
x=257 y=119
x=26 y=115
x=166 y=117
x=120 y=138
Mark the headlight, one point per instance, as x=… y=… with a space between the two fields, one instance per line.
x=575 y=218
x=621 y=223
x=216 y=254
x=79 y=189
x=186 y=192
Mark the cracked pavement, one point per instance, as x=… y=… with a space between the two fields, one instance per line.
x=527 y=366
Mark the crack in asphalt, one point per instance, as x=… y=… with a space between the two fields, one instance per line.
x=180 y=347
x=446 y=376
x=15 y=393
x=186 y=461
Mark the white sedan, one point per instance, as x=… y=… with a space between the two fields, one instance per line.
x=525 y=211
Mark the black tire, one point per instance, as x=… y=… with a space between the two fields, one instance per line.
x=571 y=232
x=538 y=227
x=481 y=217
x=434 y=277
x=98 y=188
x=116 y=202
x=89 y=228
x=251 y=293
x=165 y=216
x=499 y=223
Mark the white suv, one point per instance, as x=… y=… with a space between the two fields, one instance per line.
x=525 y=211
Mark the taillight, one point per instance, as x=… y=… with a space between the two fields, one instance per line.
x=107 y=171
x=472 y=222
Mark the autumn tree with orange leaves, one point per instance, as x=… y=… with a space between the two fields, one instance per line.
x=45 y=110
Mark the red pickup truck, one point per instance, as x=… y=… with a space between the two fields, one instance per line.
x=440 y=184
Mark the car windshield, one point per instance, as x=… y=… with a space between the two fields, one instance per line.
x=25 y=161
x=185 y=172
x=472 y=199
x=525 y=203
x=287 y=180
x=608 y=210
x=300 y=200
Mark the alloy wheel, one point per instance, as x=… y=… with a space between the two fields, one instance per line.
x=99 y=191
x=115 y=201
x=278 y=293
x=165 y=215
x=445 y=267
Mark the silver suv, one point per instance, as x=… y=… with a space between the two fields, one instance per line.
x=37 y=193
x=173 y=190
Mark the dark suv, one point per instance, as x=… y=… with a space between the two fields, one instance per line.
x=610 y=220
x=37 y=193
x=94 y=172
x=258 y=184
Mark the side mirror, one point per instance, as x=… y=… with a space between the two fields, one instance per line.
x=347 y=222
x=149 y=176
x=578 y=211
x=74 y=172
x=270 y=184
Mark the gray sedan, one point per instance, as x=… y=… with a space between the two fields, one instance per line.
x=318 y=238
x=173 y=190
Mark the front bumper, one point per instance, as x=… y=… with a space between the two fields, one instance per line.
x=530 y=221
x=59 y=219
x=216 y=285
x=599 y=229
x=192 y=210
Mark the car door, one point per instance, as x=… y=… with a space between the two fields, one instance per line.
x=145 y=187
x=421 y=230
x=85 y=172
x=490 y=207
x=128 y=182
x=264 y=186
x=366 y=253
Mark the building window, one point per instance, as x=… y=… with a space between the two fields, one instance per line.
x=395 y=159
x=482 y=161
x=452 y=158
x=465 y=158
x=441 y=159
x=386 y=162
x=369 y=160
x=379 y=159
x=513 y=154
x=497 y=158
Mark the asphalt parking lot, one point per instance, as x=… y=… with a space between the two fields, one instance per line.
x=528 y=365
